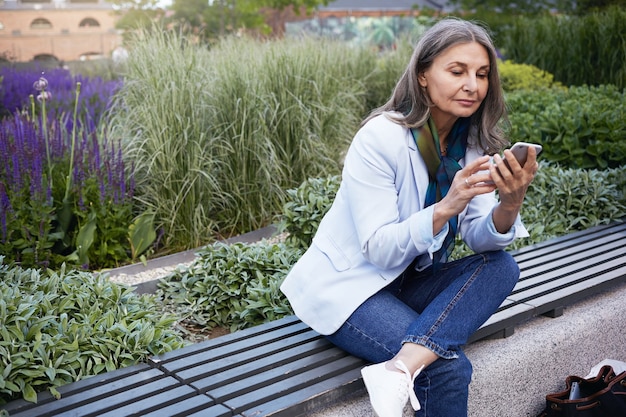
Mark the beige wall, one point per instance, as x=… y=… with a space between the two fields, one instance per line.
x=65 y=40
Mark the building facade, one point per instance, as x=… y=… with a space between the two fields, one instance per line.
x=62 y=30
x=379 y=8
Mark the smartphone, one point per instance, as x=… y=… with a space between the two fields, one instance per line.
x=520 y=151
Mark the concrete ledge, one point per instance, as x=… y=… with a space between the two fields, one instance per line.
x=513 y=375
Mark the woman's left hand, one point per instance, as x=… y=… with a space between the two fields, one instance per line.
x=512 y=179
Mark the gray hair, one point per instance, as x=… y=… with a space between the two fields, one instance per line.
x=411 y=100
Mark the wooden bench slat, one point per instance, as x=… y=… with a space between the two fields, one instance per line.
x=206 y=352
x=577 y=261
x=215 y=363
x=538 y=286
x=87 y=390
x=544 y=262
x=74 y=388
x=289 y=325
x=569 y=240
x=318 y=350
x=141 y=405
x=290 y=384
x=198 y=403
x=307 y=399
x=97 y=407
x=215 y=411
x=225 y=390
x=573 y=292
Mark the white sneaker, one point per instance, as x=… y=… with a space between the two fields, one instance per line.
x=390 y=390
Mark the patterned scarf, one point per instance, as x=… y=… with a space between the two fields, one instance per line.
x=441 y=171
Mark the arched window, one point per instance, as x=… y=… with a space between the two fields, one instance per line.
x=46 y=58
x=88 y=22
x=41 y=23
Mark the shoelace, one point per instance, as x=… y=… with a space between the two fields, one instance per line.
x=410 y=382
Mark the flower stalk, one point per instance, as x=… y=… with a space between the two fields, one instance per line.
x=41 y=85
x=68 y=184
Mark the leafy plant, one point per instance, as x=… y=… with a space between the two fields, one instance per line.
x=524 y=77
x=564 y=200
x=234 y=285
x=580 y=127
x=60 y=327
x=305 y=208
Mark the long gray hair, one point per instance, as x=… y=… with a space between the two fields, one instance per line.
x=411 y=100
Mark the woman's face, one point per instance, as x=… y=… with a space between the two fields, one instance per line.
x=457 y=82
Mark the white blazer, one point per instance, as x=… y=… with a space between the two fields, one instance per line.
x=378 y=225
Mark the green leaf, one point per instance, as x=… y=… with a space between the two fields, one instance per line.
x=55 y=393
x=85 y=237
x=141 y=233
x=29 y=393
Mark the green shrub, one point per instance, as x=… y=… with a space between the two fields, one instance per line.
x=234 y=285
x=581 y=127
x=524 y=77
x=565 y=200
x=578 y=50
x=62 y=327
x=305 y=208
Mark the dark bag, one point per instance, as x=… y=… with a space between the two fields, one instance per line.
x=601 y=396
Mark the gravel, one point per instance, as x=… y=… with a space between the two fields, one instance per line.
x=137 y=274
x=149 y=275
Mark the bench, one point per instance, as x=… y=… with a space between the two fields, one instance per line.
x=284 y=368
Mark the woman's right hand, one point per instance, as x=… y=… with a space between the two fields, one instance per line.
x=472 y=180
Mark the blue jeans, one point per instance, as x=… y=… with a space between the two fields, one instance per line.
x=439 y=311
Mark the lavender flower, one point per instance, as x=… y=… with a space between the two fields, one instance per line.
x=5 y=210
x=39 y=177
x=95 y=99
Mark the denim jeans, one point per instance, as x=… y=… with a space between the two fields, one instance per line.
x=439 y=311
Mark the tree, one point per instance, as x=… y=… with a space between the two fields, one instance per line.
x=135 y=4
x=136 y=14
x=212 y=18
x=537 y=6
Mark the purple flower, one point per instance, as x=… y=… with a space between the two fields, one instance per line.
x=5 y=209
x=35 y=161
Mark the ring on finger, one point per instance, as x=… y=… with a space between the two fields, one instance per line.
x=467 y=183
